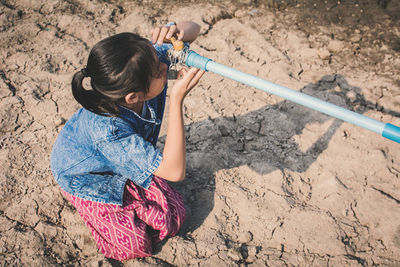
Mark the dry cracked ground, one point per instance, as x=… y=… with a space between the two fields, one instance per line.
x=269 y=183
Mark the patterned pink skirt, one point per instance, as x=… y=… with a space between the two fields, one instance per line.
x=128 y=231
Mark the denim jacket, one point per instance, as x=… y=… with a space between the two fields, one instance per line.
x=94 y=156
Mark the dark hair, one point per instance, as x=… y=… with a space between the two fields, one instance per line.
x=118 y=65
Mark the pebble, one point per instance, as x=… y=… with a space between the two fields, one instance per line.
x=223 y=130
x=240 y=13
x=324 y=54
x=248 y=138
x=251 y=252
x=356 y=38
x=384 y=48
x=245 y=237
x=234 y=254
x=351 y=95
x=59 y=121
x=335 y=46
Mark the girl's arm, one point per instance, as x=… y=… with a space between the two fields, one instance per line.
x=186 y=31
x=190 y=30
x=173 y=164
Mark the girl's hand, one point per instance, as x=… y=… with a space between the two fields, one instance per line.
x=188 y=80
x=158 y=34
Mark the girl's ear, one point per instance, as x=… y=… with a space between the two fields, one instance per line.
x=131 y=98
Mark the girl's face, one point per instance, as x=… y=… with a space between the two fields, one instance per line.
x=157 y=83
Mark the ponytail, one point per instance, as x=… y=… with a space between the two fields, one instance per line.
x=92 y=100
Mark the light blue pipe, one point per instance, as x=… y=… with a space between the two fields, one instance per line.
x=387 y=130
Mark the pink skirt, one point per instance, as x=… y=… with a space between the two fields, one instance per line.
x=128 y=231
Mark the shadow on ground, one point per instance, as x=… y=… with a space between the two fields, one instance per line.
x=263 y=140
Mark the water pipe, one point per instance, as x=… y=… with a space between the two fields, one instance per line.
x=387 y=130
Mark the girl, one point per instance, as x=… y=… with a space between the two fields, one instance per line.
x=105 y=158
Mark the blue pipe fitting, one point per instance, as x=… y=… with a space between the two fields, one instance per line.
x=391 y=132
x=195 y=60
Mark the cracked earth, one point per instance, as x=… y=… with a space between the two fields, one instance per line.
x=269 y=183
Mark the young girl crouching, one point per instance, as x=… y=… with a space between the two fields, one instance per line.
x=105 y=158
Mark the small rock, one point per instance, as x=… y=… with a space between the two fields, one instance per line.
x=240 y=13
x=351 y=95
x=47 y=9
x=355 y=38
x=245 y=237
x=335 y=46
x=59 y=121
x=239 y=146
x=337 y=89
x=234 y=254
x=251 y=253
x=396 y=63
x=328 y=79
x=223 y=130
x=384 y=48
x=324 y=54
x=248 y=138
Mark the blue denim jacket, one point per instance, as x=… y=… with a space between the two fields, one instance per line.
x=94 y=155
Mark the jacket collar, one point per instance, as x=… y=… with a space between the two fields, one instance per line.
x=149 y=115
